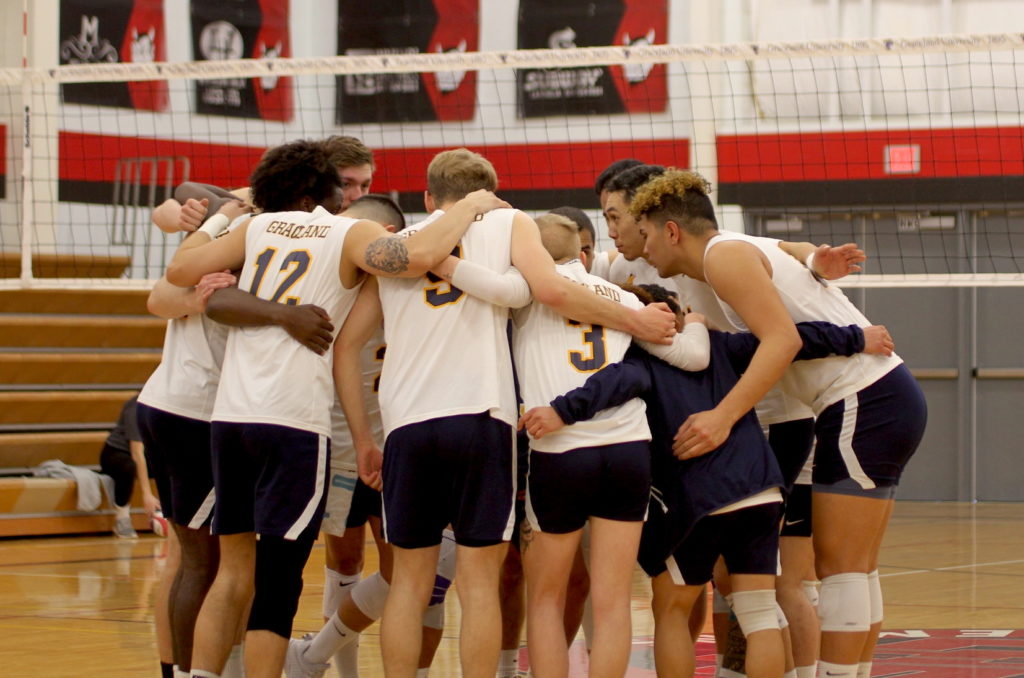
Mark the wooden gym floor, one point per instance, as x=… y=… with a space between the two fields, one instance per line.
x=952 y=574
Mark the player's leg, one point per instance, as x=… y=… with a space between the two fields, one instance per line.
x=864 y=442
x=162 y=607
x=119 y=465
x=576 y=595
x=511 y=590
x=402 y=621
x=797 y=556
x=875 y=596
x=477 y=571
x=224 y=604
x=548 y=559
x=673 y=646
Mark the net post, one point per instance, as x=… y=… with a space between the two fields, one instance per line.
x=27 y=197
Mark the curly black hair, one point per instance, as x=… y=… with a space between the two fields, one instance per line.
x=290 y=172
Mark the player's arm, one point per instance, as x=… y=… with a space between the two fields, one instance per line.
x=740 y=278
x=215 y=197
x=368 y=246
x=360 y=325
x=169 y=301
x=612 y=385
x=137 y=450
x=820 y=340
x=203 y=252
x=690 y=349
x=825 y=261
x=508 y=289
x=307 y=324
x=651 y=323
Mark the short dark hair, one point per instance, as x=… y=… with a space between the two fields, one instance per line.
x=290 y=172
x=628 y=181
x=611 y=170
x=578 y=217
x=653 y=294
x=378 y=207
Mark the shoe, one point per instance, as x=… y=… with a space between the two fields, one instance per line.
x=123 y=529
x=295 y=663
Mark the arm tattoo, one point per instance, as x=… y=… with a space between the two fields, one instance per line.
x=388 y=255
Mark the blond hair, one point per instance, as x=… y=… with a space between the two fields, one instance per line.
x=678 y=195
x=454 y=174
x=560 y=235
x=346 y=151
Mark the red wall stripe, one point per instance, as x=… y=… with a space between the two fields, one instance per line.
x=838 y=156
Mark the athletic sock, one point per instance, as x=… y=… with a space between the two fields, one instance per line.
x=423 y=673
x=508 y=664
x=790 y=674
x=830 y=670
x=331 y=638
x=122 y=511
x=178 y=673
x=806 y=671
x=234 y=667
x=346 y=660
x=199 y=673
x=864 y=670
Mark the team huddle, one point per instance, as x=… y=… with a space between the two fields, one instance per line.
x=700 y=402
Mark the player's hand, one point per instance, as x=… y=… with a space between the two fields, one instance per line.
x=150 y=504
x=309 y=325
x=877 y=340
x=655 y=323
x=370 y=461
x=701 y=433
x=192 y=215
x=540 y=421
x=692 y=317
x=233 y=209
x=832 y=263
x=483 y=201
x=210 y=283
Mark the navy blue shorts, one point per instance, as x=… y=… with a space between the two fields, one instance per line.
x=796 y=520
x=791 y=442
x=365 y=503
x=269 y=479
x=748 y=540
x=870 y=436
x=458 y=470
x=563 y=489
x=522 y=469
x=178 y=453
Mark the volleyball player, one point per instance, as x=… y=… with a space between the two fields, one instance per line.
x=870 y=412
x=271 y=417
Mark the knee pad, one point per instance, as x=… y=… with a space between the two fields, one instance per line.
x=781 y=616
x=434 y=616
x=811 y=592
x=755 y=610
x=875 y=593
x=278 y=583
x=845 y=602
x=335 y=585
x=719 y=605
x=370 y=594
x=445 y=570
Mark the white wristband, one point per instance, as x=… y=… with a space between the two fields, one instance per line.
x=215 y=225
x=809 y=262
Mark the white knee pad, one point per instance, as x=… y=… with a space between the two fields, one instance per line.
x=335 y=585
x=845 y=602
x=811 y=592
x=875 y=591
x=783 y=622
x=446 y=556
x=434 y=616
x=755 y=610
x=719 y=605
x=370 y=594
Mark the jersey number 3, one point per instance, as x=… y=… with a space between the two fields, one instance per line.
x=593 y=337
x=440 y=293
x=298 y=258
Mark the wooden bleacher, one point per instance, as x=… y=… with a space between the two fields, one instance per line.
x=68 y=361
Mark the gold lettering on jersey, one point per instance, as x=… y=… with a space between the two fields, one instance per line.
x=296 y=231
x=607 y=292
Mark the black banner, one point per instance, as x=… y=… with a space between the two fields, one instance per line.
x=407 y=27
x=590 y=90
x=113 y=31
x=242 y=29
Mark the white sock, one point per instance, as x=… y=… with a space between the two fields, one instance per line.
x=830 y=670
x=864 y=670
x=790 y=674
x=235 y=665
x=331 y=638
x=346 y=660
x=178 y=673
x=806 y=671
x=729 y=673
x=199 y=673
x=508 y=664
x=122 y=511
x=423 y=673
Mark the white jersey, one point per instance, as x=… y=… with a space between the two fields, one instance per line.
x=448 y=352
x=817 y=383
x=555 y=355
x=600 y=265
x=268 y=377
x=371 y=358
x=637 y=272
x=185 y=381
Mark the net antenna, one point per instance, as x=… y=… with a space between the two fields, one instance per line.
x=913 y=148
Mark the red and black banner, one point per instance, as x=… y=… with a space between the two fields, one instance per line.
x=114 y=31
x=242 y=29
x=590 y=90
x=407 y=27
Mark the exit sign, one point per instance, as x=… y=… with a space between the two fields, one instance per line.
x=903 y=159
